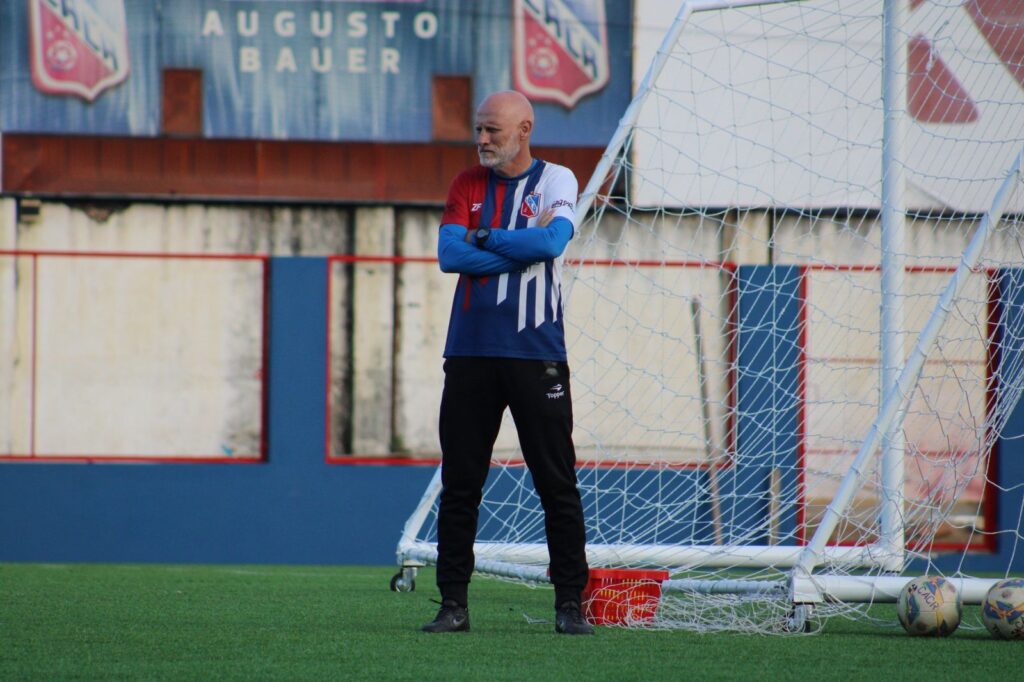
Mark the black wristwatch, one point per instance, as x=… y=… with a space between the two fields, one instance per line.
x=481 y=235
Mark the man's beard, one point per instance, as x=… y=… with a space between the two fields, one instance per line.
x=500 y=155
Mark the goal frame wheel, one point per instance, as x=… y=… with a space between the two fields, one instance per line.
x=404 y=580
x=800 y=618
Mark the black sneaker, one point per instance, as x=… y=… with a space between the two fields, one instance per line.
x=450 y=618
x=569 y=620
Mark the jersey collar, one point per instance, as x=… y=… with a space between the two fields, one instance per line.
x=517 y=178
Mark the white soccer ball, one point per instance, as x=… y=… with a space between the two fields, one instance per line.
x=929 y=606
x=1003 y=609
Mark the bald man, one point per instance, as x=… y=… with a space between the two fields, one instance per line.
x=505 y=226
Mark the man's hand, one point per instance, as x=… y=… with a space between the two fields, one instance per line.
x=545 y=217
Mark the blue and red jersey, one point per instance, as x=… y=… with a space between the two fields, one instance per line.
x=508 y=301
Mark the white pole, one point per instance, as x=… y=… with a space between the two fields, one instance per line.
x=414 y=523
x=710 y=453
x=865 y=589
x=897 y=395
x=894 y=80
x=678 y=557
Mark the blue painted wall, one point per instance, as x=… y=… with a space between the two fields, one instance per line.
x=1010 y=460
x=768 y=397
x=295 y=508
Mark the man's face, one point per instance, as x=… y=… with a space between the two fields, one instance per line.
x=497 y=139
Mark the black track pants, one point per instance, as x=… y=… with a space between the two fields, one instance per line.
x=476 y=393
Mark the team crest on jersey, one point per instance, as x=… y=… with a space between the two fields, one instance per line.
x=531 y=205
x=560 y=49
x=78 y=48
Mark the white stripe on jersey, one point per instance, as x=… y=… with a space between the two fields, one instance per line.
x=534 y=273
x=517 y=201
x=556 y=287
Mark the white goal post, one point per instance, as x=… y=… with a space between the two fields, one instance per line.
x=795 y=313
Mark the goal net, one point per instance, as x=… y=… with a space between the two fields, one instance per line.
x=795 y=313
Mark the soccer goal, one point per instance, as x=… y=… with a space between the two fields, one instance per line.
x=795 y=315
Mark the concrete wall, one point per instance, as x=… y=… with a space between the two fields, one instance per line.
x=138 y=330
x=291 y=508
x=147 y=329
x=353 y=361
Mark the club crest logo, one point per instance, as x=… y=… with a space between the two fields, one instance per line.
x=78 y=48
x=559 y=49
x=531 y=205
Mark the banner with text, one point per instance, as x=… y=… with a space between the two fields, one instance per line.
x=319 y=70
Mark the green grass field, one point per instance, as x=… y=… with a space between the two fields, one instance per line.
x=70 y=621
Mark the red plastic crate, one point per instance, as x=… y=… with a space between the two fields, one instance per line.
x=622 y=595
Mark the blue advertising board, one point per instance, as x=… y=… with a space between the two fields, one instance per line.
x=357 y=70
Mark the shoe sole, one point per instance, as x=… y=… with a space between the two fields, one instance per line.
x=458 y=628
x=562 y=630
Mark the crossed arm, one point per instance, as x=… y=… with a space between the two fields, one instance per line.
x=505 y=250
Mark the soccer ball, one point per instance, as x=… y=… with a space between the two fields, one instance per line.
x=1003 y=609
x=929 y=606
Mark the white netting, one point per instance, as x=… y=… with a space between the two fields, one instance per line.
x=723 y=311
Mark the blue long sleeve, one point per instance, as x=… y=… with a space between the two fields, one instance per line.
x=455 y=255
x=531 y=245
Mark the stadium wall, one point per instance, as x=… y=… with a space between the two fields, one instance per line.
x=291 y=508
x=314 y=494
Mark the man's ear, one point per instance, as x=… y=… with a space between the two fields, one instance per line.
x=524 y=129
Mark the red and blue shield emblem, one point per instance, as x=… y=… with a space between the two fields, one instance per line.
x=531 y=205
x=78 y=48
x=560 y=49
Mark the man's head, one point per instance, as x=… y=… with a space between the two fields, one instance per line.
x=504 y=122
